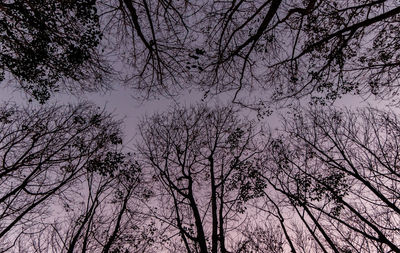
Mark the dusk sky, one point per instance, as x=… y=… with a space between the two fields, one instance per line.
x=205 y=126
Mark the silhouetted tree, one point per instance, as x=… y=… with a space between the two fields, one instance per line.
x=202 y=164
x=280 y=49
x=284 y=50
x=46 y=154
x=258 y=238
x=337 y=172
x=102 y=216
x=46 y=42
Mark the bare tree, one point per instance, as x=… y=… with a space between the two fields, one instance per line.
x=46 y=153
x=280 y=49
x=336 y=171
x=258 y=238
x=104 y=217
x=202 y=163
x=284 y=50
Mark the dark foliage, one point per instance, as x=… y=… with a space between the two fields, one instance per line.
x=47 y=154
x=44 y=42
x=202 y=162
x=282 y=50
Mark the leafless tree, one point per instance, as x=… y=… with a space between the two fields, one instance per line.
x=104 y=217
x=46 y=154
x=336 y=172
x=283 y=50
x=202 y=164
x=280 y=49
x=259 y=238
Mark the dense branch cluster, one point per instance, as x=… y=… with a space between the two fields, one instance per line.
x=53 y=188
x=203 y=160
x=338 y=171
x=284 y=49
x=45 y=42
x=201 y=178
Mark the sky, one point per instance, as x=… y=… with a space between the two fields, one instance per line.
x=121 y=102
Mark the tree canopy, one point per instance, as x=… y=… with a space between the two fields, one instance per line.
x=61 y=165
x=44 y=43
x=335 y=176
x=202 y=163
x=283 y=50
x=201 y=178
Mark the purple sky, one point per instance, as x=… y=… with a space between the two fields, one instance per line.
x=121 y=102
